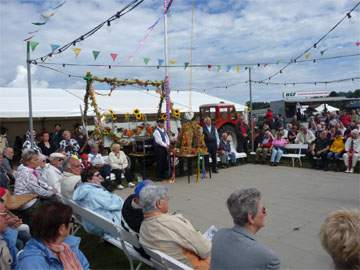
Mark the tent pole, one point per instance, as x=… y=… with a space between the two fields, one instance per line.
x=28 y=65
x=167 y=86
x=251 y=112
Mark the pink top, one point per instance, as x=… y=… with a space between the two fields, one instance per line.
x=279 y=142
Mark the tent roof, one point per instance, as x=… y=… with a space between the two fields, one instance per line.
x=66 y=102
x=328 y=107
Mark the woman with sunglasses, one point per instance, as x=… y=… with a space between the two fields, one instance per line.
x=92 y=195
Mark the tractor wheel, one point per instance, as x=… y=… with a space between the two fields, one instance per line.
x=231 y=130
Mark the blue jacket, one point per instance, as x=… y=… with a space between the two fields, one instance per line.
x=37 y=255
x=10 y=236
x=101 y=201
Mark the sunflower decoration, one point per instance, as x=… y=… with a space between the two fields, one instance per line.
x=113 y=115
x=176 y=113
x=138 y=114
x=163 y=116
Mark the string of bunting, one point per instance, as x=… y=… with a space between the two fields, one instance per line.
x=133 y=4
x=306 y=53
x=313 y=82
x=219 y=67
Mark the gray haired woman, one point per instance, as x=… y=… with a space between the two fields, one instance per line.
x=27 y=181
x=171 y=234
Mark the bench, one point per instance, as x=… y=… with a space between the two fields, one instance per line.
x=126 y=241
x=296 y=149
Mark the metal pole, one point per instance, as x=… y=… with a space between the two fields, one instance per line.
x=167 y=86
x=191 y=47
x=251 y=115
x=28 y=65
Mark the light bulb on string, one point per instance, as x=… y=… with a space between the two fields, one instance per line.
x=108 y=28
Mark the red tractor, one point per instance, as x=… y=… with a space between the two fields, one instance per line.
x=224 y=116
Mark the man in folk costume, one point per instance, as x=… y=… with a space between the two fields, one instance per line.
x=352 y=148
x=212 y=141
x=161 y=147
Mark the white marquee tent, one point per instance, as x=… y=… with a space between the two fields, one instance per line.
x=51 y=103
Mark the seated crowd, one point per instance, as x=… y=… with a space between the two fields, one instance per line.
x=330 y=138
x=34 y=216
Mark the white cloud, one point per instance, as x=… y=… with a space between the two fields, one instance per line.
x=20 y=79
x=225 y=32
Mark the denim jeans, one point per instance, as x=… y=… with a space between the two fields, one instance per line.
x=334 y=155
x=276 y=154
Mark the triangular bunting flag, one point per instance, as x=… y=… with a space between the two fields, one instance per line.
x=39 y=23
x=172 y=62
x=77 y=51
x=33 y=45
x=357 y=43
x=186 y=64
x=146 y=60
x=209 y=67
x=95 y=54
x=307 y=55
x=113 y=56
x=47 y=15
x=218 y=68
x=160 y=61
x=54 y=47
x=237 y=68
x=228 y=68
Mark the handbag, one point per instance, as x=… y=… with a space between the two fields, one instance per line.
x=13 y=202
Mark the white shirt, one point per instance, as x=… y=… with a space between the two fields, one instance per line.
x=96 y=159
x=158 y=139
x=118 y=162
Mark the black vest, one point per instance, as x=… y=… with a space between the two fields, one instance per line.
x=210 y=137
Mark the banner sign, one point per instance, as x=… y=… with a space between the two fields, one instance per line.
x=305 y=94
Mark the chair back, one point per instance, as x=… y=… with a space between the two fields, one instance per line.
x=106 y=225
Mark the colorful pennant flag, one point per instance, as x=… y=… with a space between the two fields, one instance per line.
x=237 y=68
x=357 y=43
x=160 y=61
x=46 y=16
x=95 y=54
x=186 y=64
x=113 y=56
x=33 y=45
x=77 y=51
x=54 y=47
x=172 y=61
x=146 y=60
x=322 y=52
x=228 y=68
x=39 y=23
x=218 y=67
x=307 y=55
x=209 y=67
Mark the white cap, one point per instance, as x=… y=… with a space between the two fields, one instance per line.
x=57 y=155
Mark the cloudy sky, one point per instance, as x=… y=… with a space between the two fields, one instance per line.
x=231 y=32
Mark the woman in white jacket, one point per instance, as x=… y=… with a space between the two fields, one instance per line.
x=119 y=165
